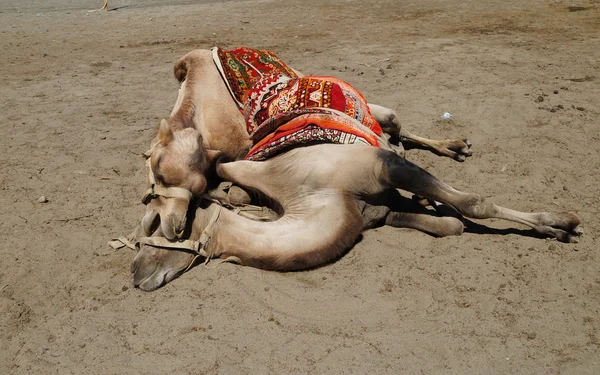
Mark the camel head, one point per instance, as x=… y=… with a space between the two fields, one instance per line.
x=179 y=163
x=154 y=267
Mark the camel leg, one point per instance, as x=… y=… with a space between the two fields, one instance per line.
x=270 y=177
x=434 y=225
x=400 y=173
x=410 y=216
x=457 y=149
x=403 y=213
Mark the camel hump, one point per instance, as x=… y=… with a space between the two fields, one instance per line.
x=180 y=70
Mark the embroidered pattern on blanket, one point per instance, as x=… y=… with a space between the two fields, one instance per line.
x=282 y=112
x=242 y=68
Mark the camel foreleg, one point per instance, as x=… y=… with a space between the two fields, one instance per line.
x=457 y=149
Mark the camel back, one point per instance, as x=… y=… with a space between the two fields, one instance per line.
x=282 y=112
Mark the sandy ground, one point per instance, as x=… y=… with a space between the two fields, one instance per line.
x=81 y=94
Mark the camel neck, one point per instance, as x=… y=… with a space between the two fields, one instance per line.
x=302 y=238
x=180 y=121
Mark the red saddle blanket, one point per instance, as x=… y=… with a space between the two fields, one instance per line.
x=242 y=68
x=282 y=112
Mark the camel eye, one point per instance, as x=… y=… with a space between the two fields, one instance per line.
x=161 y=180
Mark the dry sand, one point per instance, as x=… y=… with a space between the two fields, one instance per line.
x=79 y=99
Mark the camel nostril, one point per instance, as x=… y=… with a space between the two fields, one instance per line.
x=178 y=226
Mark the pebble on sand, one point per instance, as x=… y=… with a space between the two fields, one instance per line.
x=42 y=199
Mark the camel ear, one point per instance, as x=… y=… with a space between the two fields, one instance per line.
x=165 y=134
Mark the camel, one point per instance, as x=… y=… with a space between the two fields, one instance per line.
x=322 y=211
x=206 y=124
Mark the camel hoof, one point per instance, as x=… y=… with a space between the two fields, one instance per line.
x=457 y=149
x=154 y=267
x=575 y=234
x=565 y=227
x=462 y=149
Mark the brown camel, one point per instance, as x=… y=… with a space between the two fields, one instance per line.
x=206 y=123
x=321 y=212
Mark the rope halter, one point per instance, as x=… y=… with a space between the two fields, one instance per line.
x=198 y=247
x=156 y=190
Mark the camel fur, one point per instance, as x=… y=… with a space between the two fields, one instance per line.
x=205 y=124
x=323 y=207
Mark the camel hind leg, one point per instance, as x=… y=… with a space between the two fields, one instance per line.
x=393 y=209
x=400 y=173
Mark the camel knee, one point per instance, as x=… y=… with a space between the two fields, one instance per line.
x=373 y=216
x=387 y=119
x=476 y=207
x=449 y=226
x=391 y=124
x=196 y=58
x=180 y=70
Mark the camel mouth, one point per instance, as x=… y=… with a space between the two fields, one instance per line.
x=160 y=278
x=153 y=268
x=140 y=281
x=153 y=281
